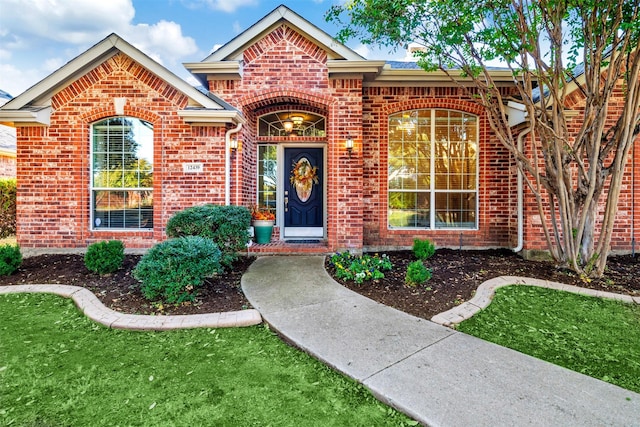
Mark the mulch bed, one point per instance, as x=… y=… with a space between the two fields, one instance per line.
x=456 y=276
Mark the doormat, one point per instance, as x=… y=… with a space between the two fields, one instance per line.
x=304 y=241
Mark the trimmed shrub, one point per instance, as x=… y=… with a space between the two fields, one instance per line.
x=417 y=274
x=104 y=257
x=227 y=226
x=423 y=249
x=172 y=271
x=7 y=207
x=10 y=259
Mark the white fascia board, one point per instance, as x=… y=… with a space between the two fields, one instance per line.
x=41 y=117
x=354 y=67
x=516 y=113
x=211 y=117
x=224 y=69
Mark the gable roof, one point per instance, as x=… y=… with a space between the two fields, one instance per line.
x=233 y=49
x=34 y=105
x=226 y=61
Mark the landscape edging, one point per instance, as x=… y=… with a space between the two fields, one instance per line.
x=486 y=291
x=93 y=308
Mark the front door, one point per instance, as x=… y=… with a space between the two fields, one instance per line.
x=303 y=192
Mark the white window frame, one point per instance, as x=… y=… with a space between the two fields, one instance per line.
x=433 y=224
x=93 y=189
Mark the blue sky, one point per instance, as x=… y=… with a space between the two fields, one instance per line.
x=39 y=36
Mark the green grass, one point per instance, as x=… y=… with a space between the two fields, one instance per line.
x=597 y=337
x=59 y=368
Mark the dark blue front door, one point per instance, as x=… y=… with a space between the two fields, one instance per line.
x=303 y=190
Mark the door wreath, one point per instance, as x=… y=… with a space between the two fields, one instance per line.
x=303 y=176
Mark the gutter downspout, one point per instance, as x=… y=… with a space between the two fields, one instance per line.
x=227 y=163
x=520 y=245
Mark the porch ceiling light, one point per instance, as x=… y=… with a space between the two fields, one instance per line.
x=348 y=144
x=288 y=125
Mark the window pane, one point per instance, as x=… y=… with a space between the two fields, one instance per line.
x=407 y=209
x=456 y=210
x=122 y=165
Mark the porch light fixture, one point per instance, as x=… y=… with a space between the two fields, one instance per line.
x=348 y=144
x=233 y=144
x=297 y=120
x=288 y=125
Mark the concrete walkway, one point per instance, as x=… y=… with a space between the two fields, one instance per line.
x=434 y=374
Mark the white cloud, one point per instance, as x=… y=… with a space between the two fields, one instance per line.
x=229 y=5
x=5 y=54
x=362 y=50
x=237 y=28
x=68 y=21
x=162 y=41
x=39 y=36
x=14 y=81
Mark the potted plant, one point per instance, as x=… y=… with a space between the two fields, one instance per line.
x=263 y=221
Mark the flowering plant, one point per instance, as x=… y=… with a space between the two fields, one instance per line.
x=360 y=268
x=261 y=215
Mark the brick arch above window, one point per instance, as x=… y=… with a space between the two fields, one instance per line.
x=101 y=113
x=434 y=103
x=262 y=99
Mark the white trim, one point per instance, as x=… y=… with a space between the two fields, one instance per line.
x=432 y=191
x=305 y=232
x=92 y=188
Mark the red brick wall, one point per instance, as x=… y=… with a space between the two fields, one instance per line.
x=627 y=221
x=285 y=71
x=496 y=195
x=54 y=169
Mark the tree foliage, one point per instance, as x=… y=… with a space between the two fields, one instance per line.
x=576 y=151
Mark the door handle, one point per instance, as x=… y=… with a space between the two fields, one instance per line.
x=286 y=204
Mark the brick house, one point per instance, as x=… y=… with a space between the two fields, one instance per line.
x=337 y=146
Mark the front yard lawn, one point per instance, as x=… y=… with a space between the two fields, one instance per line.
x=59 y=368
x=597 y=337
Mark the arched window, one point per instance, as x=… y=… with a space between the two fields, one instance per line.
x=284 y=123
x=122 y=174
x=433 y=169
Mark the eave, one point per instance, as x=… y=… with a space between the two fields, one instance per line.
x=222 y=70
x=211 y=117
x=26 y=117
x=419 y=77
x=337 y=68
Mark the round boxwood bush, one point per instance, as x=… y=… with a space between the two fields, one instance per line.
x=174 y=270
x=227 y=226
x=104 y=257
x=417 y=274
x=10 y=259
x=423 y=249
